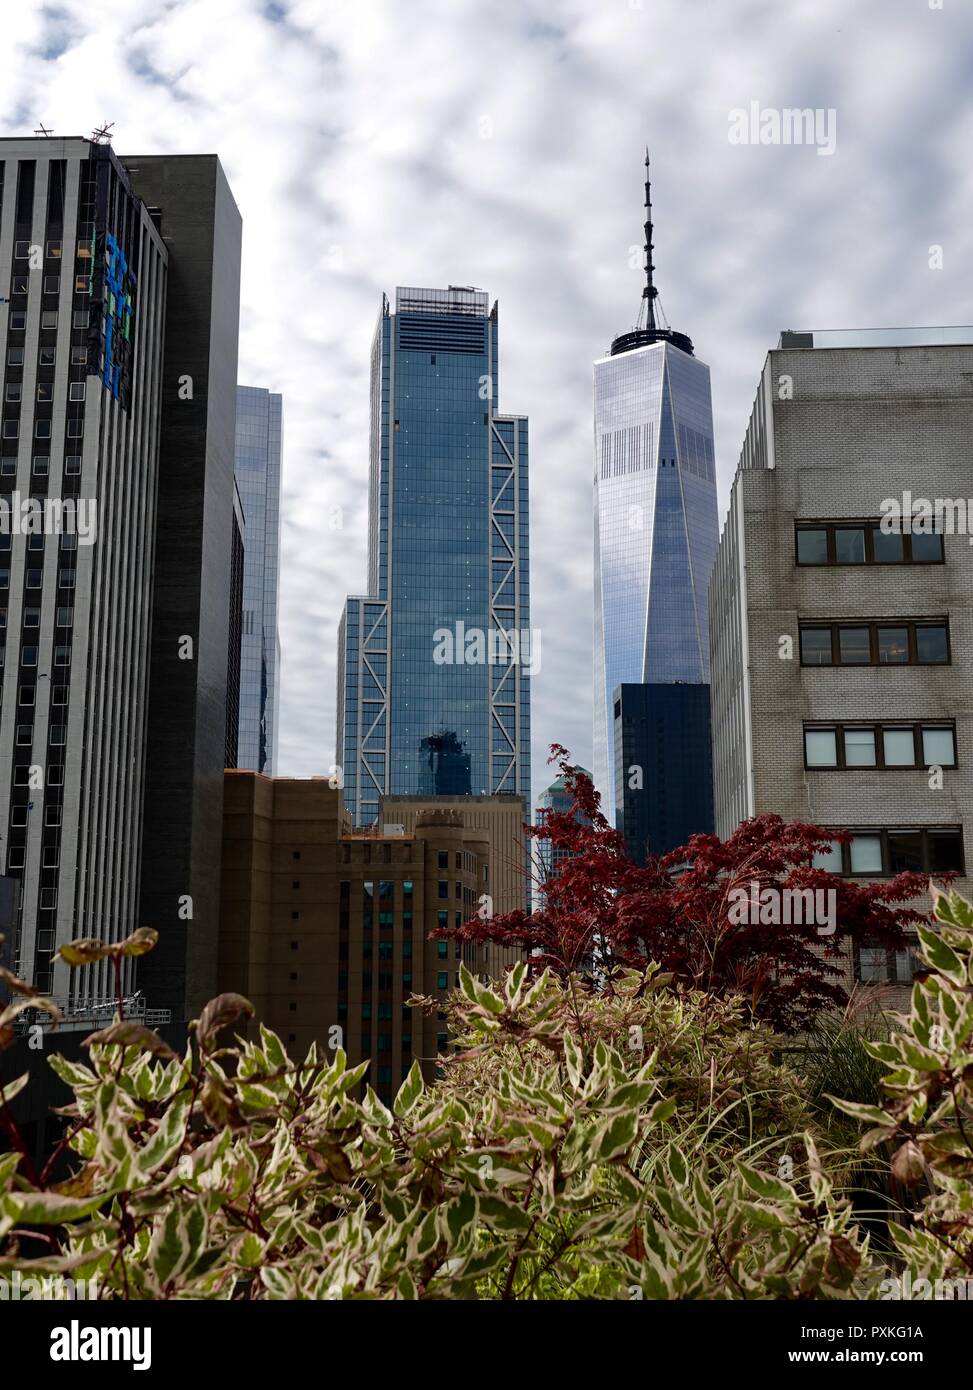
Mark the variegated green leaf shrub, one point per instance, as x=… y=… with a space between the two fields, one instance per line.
x=642 y=1144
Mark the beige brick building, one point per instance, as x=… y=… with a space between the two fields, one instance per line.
x=842 y=656
x=324 y=927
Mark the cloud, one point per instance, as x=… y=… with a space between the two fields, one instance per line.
x=371 y=143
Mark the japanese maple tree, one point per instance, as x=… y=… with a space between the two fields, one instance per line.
x=599 y=912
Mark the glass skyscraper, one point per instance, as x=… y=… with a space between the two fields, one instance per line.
x=656 y=520
x=434 y=662
x=259 y=432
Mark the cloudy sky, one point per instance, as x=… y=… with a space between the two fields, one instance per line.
x=371 y=143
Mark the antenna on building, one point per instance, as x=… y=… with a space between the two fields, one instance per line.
x=650 y=293
x=43 y=130
x=102 y=134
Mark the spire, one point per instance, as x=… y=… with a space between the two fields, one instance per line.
x=654 y=328
x=650 y=293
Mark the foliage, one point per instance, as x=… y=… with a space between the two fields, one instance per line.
x=601 y=910
x=641 y=1143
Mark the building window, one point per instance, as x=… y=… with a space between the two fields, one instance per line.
x=442 y=980
x=879 y=965
x=883 y=746
x=52 y=284
x=72 y=464
x=443 y=858
x=12 y=392
x=443 y=888
x=76 y=390
x=872 y=852
x=49 y=320
x=442 y=950
x=42 y=465
x=864 y=543
x=906 y=643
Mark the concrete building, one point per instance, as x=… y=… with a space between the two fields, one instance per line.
x=842 y=653
x=324 y=927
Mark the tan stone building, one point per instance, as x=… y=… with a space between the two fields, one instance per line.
x=324 y=927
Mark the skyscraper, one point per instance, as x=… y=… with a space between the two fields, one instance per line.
x=655 y=512
x=192 y=581
x=83 y=271
x=434 y=662
x=259 y=437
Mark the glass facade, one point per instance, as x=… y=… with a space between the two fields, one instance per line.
x=433 y=679
x=259 y=433
x=656 y=529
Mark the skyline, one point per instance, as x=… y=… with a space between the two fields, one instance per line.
x=523 y=176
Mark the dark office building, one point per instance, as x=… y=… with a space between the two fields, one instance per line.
x=663 y=766
x=201 y=228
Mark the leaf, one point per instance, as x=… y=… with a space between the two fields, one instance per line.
x=126 y=1033
x=942 y=957
x=20 y=1006
x=868 y=1114
x=617 y=1136
x=409 y=1092
x=84 y=950
x=218 y=1014
x=772 y=1188
x=908 y=1164
x=139 y=943
x=9 y=1089
x=48 y=1208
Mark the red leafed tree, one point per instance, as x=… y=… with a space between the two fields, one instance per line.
x=692 y=910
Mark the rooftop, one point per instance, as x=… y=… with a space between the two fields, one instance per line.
x=950 y=335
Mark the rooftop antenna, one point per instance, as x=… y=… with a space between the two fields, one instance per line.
x=43 y=130
x=650 y=293
x=102 y=134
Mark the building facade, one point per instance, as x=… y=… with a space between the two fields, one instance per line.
x=655 y=517
x=434 y=663
x=235 y=645
x=663 y=767
x=842 y=643
x=259 y=445
x=559 y=800
x=83 y=306
x=326 y=930
x=192 y=582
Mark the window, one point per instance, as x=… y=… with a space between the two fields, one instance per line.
x=72 y=464
x=887 y=546
x=864 y=543
x=62 y=656
x=21 y=250
x=938 y=746
x=443 y=888
x=829 y=858
x=12 y=392
x=849 y=545
x=28 y=656
x=443 y=858
x=34 y=578
x=59 y=695
x=54 y=250
x=49 y=320
x=79 y=355
x=812 y=545
x=899 y=747
x=11 y=429
x=19 y=284
x=81 y=284
x=18 y=320
x=52 y=284
x=75 y=428
x=55 y=776
x=442 y=980
x=932 y=645
x=866 y=854
x=76 y=390
x=853 y=646
x=15 y=357
x=58 y=732
x=859 y=747
x=820 y=747
x=927 y=850
x=876 y=643
x=41 y=465
x=45 y=391
x=52 y=815
x=80 y=318
x=25 y=735
x=49 y=857
x=26 y=695
x=442 y=950
x=893 y=646
x=42 y=429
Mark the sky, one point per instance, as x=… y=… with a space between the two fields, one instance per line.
x=375 y=143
